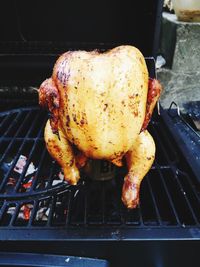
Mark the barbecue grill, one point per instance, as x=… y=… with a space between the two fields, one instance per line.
x=39 y=212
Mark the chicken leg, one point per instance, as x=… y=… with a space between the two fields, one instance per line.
x=139 y=160
x=61 y=150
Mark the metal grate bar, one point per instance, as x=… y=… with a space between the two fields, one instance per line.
x=169 y=197
x=185 y=196
x=33 y=213
x=4 y=123
x=113 y=208
x=165 y=135
x=42 y=160
x=158 y=217
x=51 y=175
x=161 y=145
x=191 y=185
x=13 y=139
x=103 y=203
x=21 y=139
x=67 y=221
x=140 y=215
x=147 y=206
x=95 y=208
x=78 y=206
x=14 y=216
x=86 y=207
x=5 y=118
x=52 y=209
x=42 y=125
x=33 y=125
x=22 y=175
x=28 y=116
x=14 y=122
x=191 y=193
x=3 y=209
x=10 y=144
x=86 y=210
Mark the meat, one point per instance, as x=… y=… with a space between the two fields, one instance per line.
x=100 y=107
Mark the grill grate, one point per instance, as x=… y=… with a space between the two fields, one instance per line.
x=42 y=200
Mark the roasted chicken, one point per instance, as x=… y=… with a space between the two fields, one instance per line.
x=100 y=105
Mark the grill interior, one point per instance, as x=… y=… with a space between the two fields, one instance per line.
x=49 y=47
x=169 y=196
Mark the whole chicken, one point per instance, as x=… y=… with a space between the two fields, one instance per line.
x=100 y=105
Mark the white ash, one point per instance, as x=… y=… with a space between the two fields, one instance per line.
x=42 y=214
x=31 y=169
x=58 y=179
x=11 y=210
x=21 y=163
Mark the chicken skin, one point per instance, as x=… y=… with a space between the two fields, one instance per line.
x=100 y=105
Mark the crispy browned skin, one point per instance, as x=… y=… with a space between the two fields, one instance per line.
x=49 y=97
x=153 y=95
x=101 y=106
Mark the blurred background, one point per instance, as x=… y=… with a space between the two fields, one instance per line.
x=180 y=51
